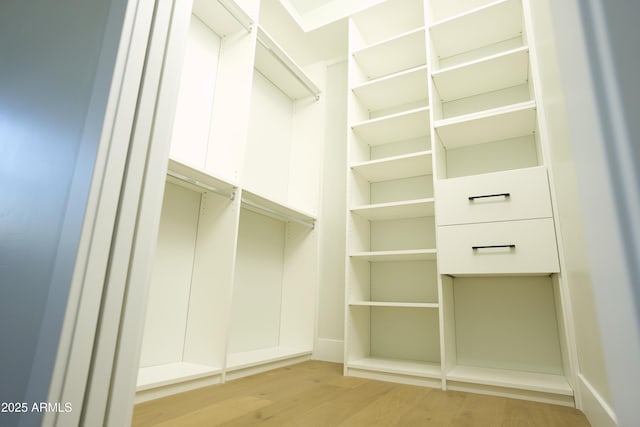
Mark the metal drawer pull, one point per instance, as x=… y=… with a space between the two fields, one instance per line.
x=472 y=198
x=511 y=246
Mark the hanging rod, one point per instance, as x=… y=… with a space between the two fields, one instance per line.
x=199 y=184
x=237 y=13
x=277 y=52
x=309 y=224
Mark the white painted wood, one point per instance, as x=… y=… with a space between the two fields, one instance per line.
x=485 y=126
x=402 y=126
x=168 y=300
x=489 y=24
x=257 y=291
x=418 y=187
x=269 y=207
x=402 y=88
x=544 y=383
x=399 y=16
x=162 y=375
x=225 y=17
x=400 y=255
x=527 y=189
x=398 y=53
x=401 y=282
x=507 y=323
x=535 y=250
x=396 y=210
x=485 y=75
x=197 y=180
x=400 y=234
x=258 y=357
x=280 y=69
x=397 y=167
x=394 y=366
x=394 y=304
x=195 y=96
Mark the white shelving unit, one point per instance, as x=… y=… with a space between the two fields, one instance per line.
x=392 y=314
x=234 y=282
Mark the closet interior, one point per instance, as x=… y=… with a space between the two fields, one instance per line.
x=451 y=258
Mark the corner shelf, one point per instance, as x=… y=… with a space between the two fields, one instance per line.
x=394 y=127
x=392 y=55
x=397 y=89
x=490 y=125
x=487 y=25
x=488 y=74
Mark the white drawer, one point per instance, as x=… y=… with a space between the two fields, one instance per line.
x=499 y=196
x=510 y=247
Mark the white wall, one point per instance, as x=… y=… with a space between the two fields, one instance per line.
x=330 y=340
x=595 y=161
x=57 y=60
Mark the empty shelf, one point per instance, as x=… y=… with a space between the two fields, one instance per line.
x=396 y=167
x=395 y=366
x=403 y=255
x=396 y=210
x=403 y=126
x=397 y=89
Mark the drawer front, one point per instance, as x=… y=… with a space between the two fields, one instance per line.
x=499 y=196
x=511 y=247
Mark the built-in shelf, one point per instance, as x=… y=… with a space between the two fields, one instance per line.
x=392 y=55
x=195 y=179
x=402 y=88
x=263 y=205
x=544 y=383
x=403 y=255
x=489 y=74
x=486 y=126
x=394 y=127
x=487 y=25
x=395 y=366
x=281 y=70
x=262 y=356
x=396 y=167
x=172 y=373
x=224 y=17
x=396 y=210
x=394 y=304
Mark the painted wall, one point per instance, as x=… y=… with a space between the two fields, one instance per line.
x=53 y=95
x=598 y=176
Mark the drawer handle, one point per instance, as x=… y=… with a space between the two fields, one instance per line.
x=475 y=248
x=505 y=195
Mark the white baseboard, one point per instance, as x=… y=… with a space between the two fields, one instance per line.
x=329 y=350
x=597 y=410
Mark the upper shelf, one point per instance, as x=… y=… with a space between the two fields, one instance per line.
x=396 y=210
x=384 y=21
x=484 y=26
x=257 y=203
x=486 y=126
x=281 y=70
x=402 y=126
x=486 y=75
x=394 y=90
x=198 y=180
x=224 y=17
x=392 y=55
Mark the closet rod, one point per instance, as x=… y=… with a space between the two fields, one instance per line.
x=310 y=224
x=237 y=13
x=202 y=185
x=268 y=45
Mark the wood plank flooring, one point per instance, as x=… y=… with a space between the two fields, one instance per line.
x=315 y=394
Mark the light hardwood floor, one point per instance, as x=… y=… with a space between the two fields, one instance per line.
x=315 y=394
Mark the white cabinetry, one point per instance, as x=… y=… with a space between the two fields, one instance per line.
x=452 y=261
x=235 y=274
